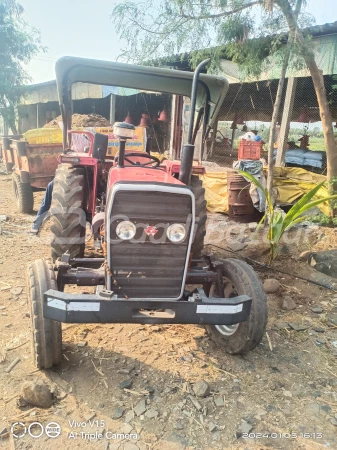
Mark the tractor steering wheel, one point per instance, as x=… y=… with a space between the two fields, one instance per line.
x=154 y=162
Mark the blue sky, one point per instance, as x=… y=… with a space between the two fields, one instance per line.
x=85 y=28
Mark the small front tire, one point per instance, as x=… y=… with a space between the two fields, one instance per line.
x=46 y=333
x=240 y=279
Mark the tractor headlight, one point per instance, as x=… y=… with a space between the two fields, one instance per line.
x=126 y=230
x=176 y=232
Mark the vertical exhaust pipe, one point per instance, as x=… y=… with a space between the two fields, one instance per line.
x=188 y=148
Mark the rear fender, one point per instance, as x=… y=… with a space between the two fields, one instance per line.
x=173 y=167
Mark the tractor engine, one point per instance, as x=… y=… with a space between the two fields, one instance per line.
x=149 y=230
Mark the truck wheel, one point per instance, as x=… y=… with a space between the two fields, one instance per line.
x=68 y=218
x=46 y=333
x=23 y=194
x=200 y=216
x=240 y=279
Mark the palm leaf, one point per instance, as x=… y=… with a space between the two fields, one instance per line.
x=298 y=220
x=296 y=209
x=316 y=202
x=278 y=223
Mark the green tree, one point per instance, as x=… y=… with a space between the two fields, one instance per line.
x=247 y=31
x=18 y=44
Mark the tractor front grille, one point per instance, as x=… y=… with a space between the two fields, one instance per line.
x=150 y=267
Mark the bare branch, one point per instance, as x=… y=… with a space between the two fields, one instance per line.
x=159 y=33
x=147 y=30
x=223 y=14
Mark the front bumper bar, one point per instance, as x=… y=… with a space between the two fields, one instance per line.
x=197 y=309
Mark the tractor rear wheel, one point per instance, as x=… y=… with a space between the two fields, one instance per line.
x=68 y=218
x=46 y=333
x=200 y=216
x=240 y=279
x=23 y=194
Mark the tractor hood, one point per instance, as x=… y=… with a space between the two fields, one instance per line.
x=70 y=70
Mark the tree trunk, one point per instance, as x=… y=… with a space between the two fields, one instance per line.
x=318 y=81
x=10 y=118
x=272 y=134
x=277 y=105
x=12 y=126
x=325 y=113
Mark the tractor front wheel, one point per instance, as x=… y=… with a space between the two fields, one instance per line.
x=23 y=194
x=46 y=333
x=240 y=279
x=68 y=218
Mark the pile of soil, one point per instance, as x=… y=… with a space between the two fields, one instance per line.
x=81 y=120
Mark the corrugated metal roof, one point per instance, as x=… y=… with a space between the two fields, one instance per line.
x=323 y=46
x=233 y=75
x=42 y=84
x=181 y=61
x=323 y=30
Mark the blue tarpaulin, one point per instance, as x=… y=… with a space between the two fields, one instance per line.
x=302 y=157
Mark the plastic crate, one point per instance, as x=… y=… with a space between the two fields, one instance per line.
x=249 y=149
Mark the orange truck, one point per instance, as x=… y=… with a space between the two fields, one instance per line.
x=32 y=166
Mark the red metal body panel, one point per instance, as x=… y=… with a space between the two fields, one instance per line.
x=90 y=136
x=77 y=159
x=8 y=156
x=128 y=173
x=173 y=167
x=136 y=159
x=140 y=174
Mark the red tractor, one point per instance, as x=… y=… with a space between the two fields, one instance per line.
x=148 y=221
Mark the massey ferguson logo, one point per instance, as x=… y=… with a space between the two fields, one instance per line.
x=150 y=230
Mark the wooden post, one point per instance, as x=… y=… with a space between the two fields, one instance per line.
x=5 y=126
x=215 y=132
x=272 y=134
x=233 y=137
x=173 y=149
x=112 y=115
x=286 y=118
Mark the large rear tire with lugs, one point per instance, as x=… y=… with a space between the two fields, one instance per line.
x=200 y=216
x=240 y=279
x=68 y=218
x=23 y=194
x=46 y=333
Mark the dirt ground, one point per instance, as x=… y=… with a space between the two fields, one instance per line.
x=284 y=392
